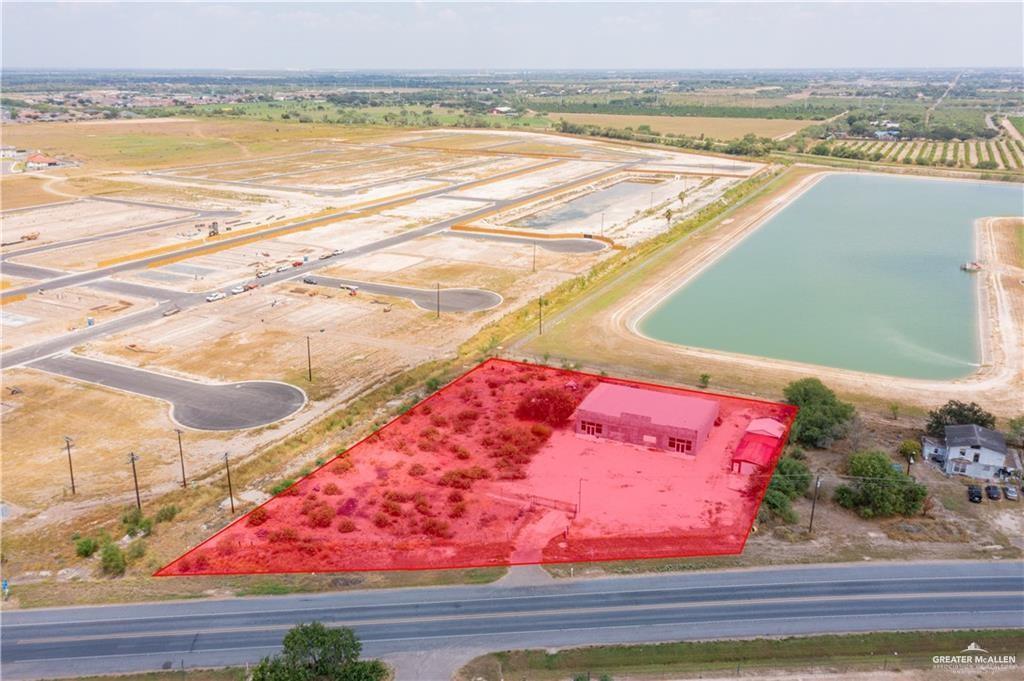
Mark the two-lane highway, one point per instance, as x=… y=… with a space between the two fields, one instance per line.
x=453 y=623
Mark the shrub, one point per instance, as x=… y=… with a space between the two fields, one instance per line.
x=283 y=535
x=381 y=520
x=258 y=517
x=332 y=490
x=392 y=508
x=112 y=561
x=457 y=510
x=541 y=430
x=135 y=523
x=321 y=515
x=422 y=507
x=342 y=466
x=455 y=496
x=463 y=478
x=166 y=514
x=346 y=526
x=822 y=418
x=549 y=405
x=439 y=420
x=86 y=546
x=136 y=550
x=878 y=490
x=460 y=452
x=436 y=528
x=282 y=486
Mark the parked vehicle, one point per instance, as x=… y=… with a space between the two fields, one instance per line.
x=337 y=251
x=251 y=285
x=1010 y=493
x=308 y=280
x=172 y=311
x=238 y=289
x=325 y=256
x=284 y=268
x=993 y=493
x=349 y=287
x=262 y=273
x=297 y=263
x=974 y=494
x=216 y=295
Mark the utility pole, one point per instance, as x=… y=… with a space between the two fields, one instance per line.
x=910 y=462
x=438 y=300
x=579 y=498
x=231 y=491
x=540 y=316
x=309 y=361
x=814 y=503
x=133 y=457
x=181 y=457
x=602 y=223
x=534 y=256
x=71 y=468
x=652 y=202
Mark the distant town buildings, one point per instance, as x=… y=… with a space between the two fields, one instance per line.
x=41 y=161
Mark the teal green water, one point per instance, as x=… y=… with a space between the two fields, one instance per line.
x=861 y=272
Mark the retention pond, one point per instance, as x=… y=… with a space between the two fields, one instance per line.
x=860 y=272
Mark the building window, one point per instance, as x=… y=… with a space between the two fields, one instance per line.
x=678 y=444
x=591 y=428
x=977 y=457
x=959 y=466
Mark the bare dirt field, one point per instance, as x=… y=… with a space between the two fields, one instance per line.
x=719 y=128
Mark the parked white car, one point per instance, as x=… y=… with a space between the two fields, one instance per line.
x=238 y=289
x=263 y=273
x=216 y=295
x=284 y=268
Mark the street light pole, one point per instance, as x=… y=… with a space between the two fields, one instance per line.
x=181 y=457
x=231 y=492
x=135 y=476
x=814 y=504
x=71 y=468
x=309 y=361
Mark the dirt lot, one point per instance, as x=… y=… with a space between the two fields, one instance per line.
x=718 y=128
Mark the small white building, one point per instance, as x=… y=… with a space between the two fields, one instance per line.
x=971 y=450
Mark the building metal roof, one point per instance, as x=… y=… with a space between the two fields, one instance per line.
x=664 y=409
x=975 y=436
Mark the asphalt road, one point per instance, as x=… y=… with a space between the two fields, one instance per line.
x=446 y=299
x=429 y=632
x=553 y=245
x=203 y=406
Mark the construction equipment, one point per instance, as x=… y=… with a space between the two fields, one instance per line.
x=214 y=229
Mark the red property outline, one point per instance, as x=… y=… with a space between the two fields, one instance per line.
x=725 y=547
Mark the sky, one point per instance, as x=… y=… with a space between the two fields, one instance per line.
x=539 y=35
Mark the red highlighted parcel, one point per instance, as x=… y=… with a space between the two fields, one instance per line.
x=515 y=463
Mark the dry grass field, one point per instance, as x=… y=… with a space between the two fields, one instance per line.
x=719 y=128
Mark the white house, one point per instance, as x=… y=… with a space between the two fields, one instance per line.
x=972 y=451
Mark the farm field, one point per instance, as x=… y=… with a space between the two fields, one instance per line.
x=691 y=126
x=489 y=471
x=1002 y=153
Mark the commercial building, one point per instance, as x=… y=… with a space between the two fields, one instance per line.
x=647 y=417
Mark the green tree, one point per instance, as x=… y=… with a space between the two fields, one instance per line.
x=955 y=413
x=1015 y=432
x=878 y=490
x=791 y=479
x=910 y=449
x=822 y=418
x=313 y=652
x=705 y=380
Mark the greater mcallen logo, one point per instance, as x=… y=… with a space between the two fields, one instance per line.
x=974 y=658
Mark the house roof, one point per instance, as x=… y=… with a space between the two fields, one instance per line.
x=663 y=408
x=766 y=426
x=975 y=436
x=756 y=449
x=40 y=158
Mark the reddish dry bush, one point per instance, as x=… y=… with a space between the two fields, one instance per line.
x=463 y=478
x=436 y=528
x=342 y=466
x=332 y=490
x=258 y=517
x=460 y=452
x=422 y=507
x=309 y=503
x=458 y=510
x=283 y=535
x=455 y=496
x=425 y=409
x=346 y=526
x=392 y=508
x=396 y=495
x=321 y=515
x=465 y=419
x=381 y=520
x=541 y=430
x=417 y=469
x=439 y=420
x=552 y=405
